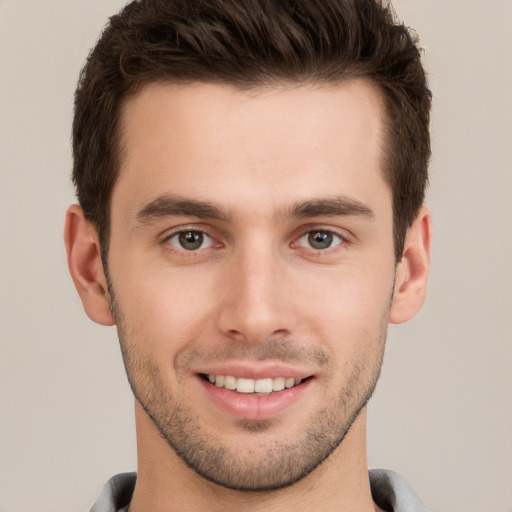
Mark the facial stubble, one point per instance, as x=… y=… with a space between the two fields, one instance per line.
x=268 y=463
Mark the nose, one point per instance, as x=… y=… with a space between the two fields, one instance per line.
x=257 y=299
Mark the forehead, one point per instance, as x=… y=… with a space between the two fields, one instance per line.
x=285 y=143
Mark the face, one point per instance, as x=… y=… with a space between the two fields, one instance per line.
x=251 y=271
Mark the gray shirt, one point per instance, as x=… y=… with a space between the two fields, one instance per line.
x=389 y=490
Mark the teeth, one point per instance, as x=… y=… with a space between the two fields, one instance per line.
x=261 y=386
x=278 y=384
x=229 y=382
x=244 y=385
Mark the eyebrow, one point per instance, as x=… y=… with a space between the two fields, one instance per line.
x=331 y=207
x=171 y=206
x=175 y=206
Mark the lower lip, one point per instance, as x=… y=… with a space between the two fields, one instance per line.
x=255 y=407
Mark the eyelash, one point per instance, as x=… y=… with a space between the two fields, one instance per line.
x=344 y=241
x=182 y=251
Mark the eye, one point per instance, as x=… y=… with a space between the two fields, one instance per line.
x=320 y=239
x=190 y=240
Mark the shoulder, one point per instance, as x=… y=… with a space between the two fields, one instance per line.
x=116 y=493
x=392 y=493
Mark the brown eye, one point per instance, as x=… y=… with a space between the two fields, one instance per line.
x=320 y=240
x=190 y=240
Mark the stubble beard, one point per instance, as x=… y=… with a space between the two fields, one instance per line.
x=269 y=464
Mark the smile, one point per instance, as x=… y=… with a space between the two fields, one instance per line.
x=254 y=386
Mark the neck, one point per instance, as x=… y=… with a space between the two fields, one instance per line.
x=165 y=483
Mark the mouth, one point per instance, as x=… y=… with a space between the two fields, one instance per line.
x=259 y=398
x=257 y=387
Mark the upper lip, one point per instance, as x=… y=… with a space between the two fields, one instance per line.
x=256 y=370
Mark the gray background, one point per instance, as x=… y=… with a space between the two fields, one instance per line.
x=442 y=415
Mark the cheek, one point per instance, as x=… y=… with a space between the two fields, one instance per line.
x=350 y=315
x=352 y=298
x=163 y=305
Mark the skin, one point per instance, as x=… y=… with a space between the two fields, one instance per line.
x=255 y=293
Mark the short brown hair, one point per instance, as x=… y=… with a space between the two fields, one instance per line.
x=251 y=43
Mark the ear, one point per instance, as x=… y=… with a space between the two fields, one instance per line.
x=412 y=270
x=84 y=262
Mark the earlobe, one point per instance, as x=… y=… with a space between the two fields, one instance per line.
x=413 y=269
x=85 y=266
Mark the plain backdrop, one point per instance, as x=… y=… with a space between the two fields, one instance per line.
x=442 y=414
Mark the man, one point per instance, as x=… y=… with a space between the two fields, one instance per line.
x=251 y=179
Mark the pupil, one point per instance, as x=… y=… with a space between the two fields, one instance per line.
x=191 y=240
x=320 y=239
